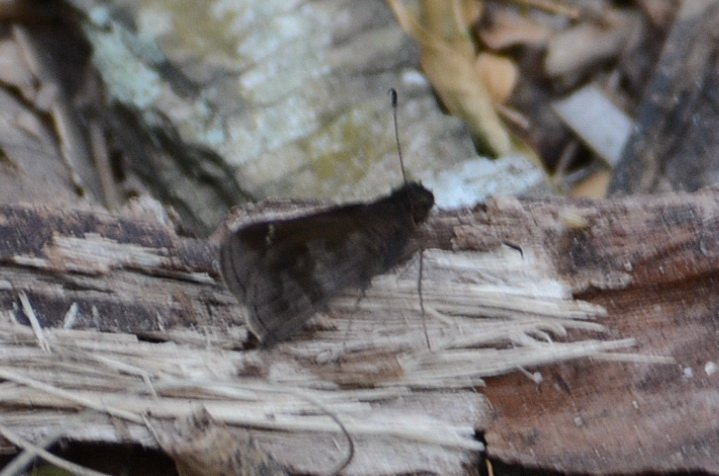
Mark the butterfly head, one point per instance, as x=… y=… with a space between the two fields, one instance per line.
x=416 y=199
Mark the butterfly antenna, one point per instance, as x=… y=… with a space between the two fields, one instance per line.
x=393 y=95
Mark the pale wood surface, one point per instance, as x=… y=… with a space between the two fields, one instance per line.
x=649 y=261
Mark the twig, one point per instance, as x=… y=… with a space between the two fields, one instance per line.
x=58 y=392
x=14 y=469
x=34 y=323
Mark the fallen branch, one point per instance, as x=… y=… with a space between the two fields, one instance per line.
x=490 y=310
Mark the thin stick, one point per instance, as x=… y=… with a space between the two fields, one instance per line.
x=68 y=395
x=351 y=445
x=21 y=461
x=101 y=158
x=20 y=442
x=34 y=323
x=70 y=316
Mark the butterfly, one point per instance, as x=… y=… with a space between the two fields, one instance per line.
x=284 y=271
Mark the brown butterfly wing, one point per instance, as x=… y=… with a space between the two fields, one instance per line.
x=286 y=270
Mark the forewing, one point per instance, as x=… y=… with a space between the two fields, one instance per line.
x=285 y=271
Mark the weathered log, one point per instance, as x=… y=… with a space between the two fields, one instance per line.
x=649 y=261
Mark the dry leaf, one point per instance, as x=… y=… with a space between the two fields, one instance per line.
x=499 y=75
x=594 y=186
x=448 y=59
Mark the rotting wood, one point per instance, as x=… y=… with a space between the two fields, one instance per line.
x=397 y=398
x=652 y=262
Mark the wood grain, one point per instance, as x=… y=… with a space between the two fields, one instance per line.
x=650 y=261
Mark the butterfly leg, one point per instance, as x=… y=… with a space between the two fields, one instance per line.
x=361 y=295
x=421 y=300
